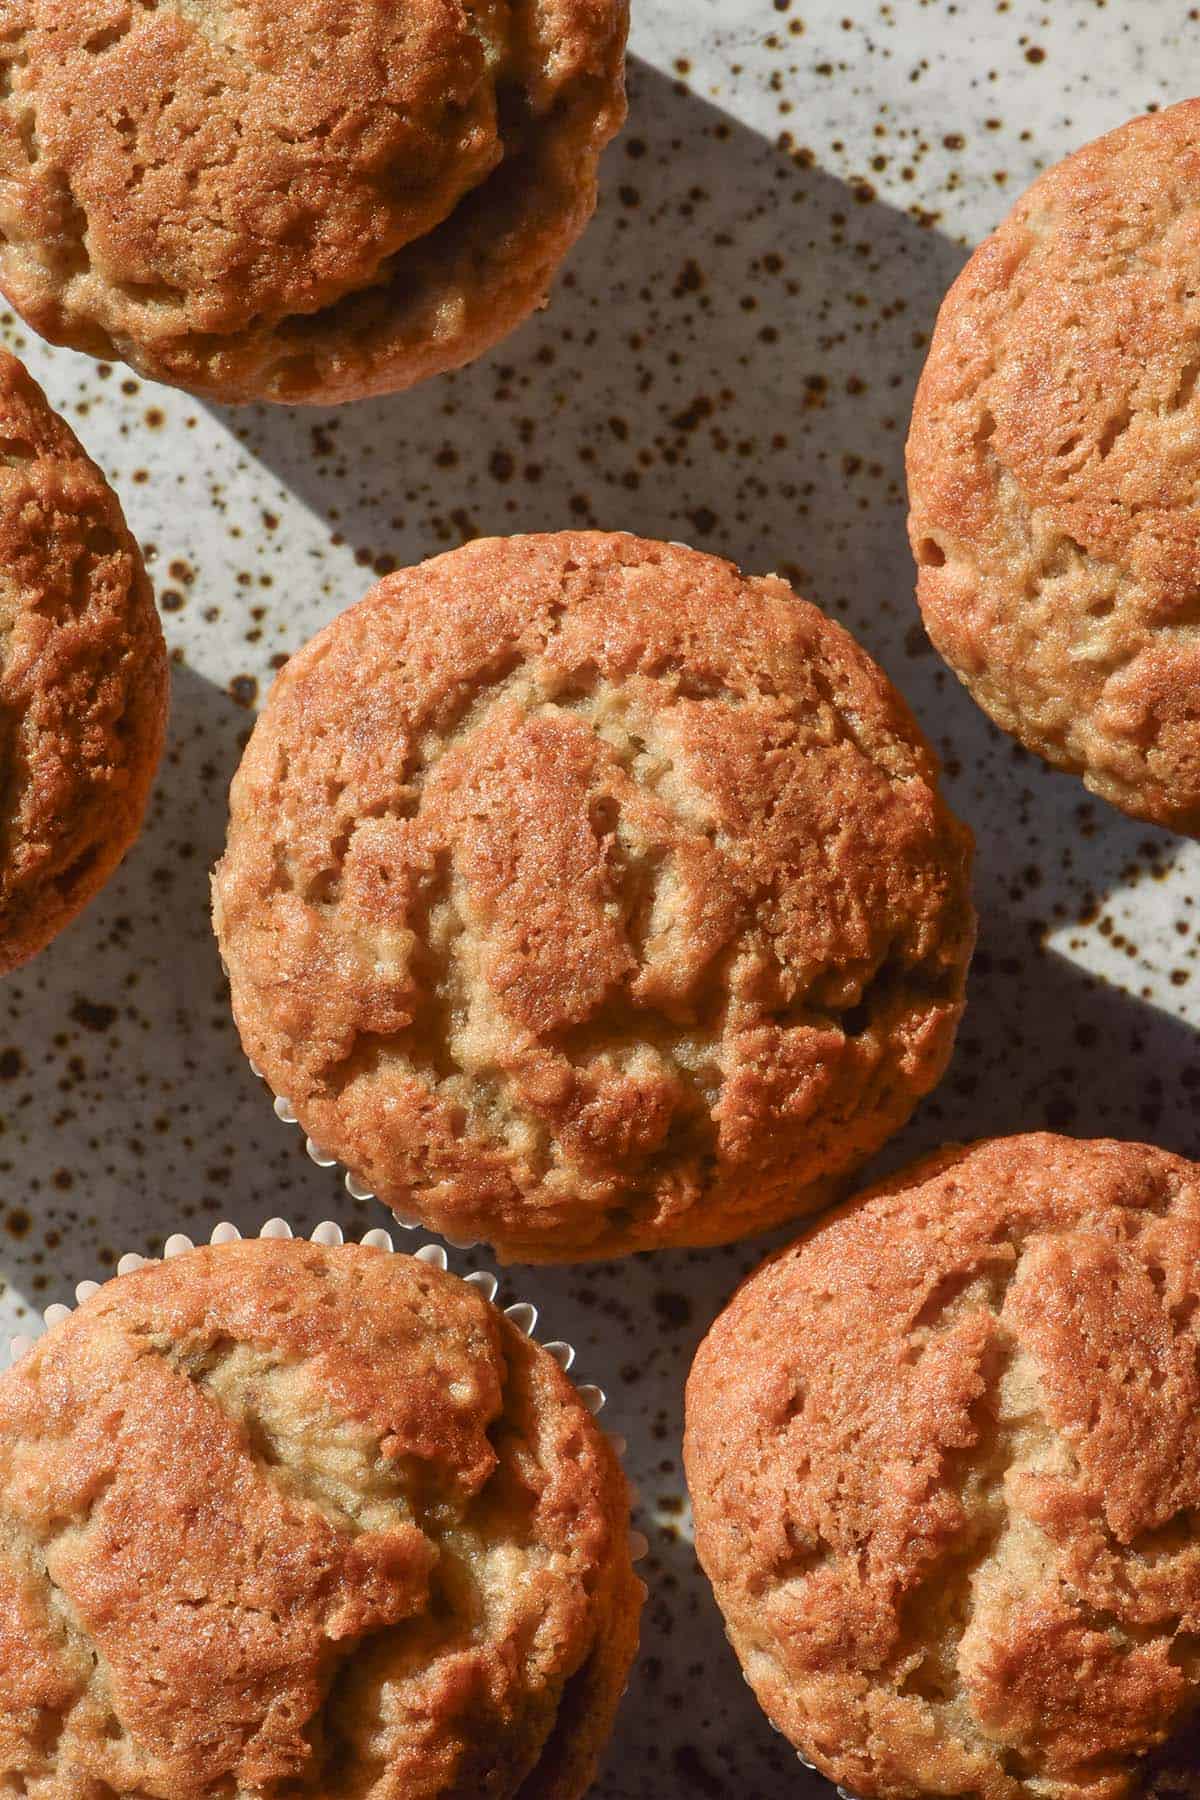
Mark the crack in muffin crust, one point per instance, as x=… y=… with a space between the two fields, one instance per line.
x=283 y=1520
x=303 y=207
x=946 y=1479
x=1054 y=514
x=584 y=895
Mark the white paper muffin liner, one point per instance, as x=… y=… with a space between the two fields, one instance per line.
x=843 y=1793
x=521 y=1313
x=357 y=1190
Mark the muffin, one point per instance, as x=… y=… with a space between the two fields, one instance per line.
x=585 y=896
x=944 y=1458
x=301 y=202
x=83 y=674
x=1051 y=470
x=283 y=1519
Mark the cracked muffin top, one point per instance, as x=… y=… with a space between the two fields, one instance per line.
x=944 y=1458
x=307 y=202
x=83 y=674
x=278 y=1519
x=586 y=896
x=1052 y=469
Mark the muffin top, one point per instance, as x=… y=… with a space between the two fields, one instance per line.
x=83 y=674
x=208 y=187
x=945 y=1464
x=277 y=1519
x=1052 y=469
x=584 y=895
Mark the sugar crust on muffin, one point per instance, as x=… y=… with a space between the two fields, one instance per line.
x=1051 y=467
x=282 y=1519
x=584 y=895
x=945 y=1466
x=83 y=674
x=303 y=203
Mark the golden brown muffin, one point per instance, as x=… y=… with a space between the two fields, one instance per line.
x=83 y=674
x=585 y=896
x=283 y=1520
x=303 y=202
x=944 y=1457
x=1051 y=470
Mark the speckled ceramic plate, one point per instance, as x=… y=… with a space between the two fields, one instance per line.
x=730 y=361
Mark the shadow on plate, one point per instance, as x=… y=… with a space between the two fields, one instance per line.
x=1047 y=1046
x=126 y=1107
x=729 y=357
x=729 y=360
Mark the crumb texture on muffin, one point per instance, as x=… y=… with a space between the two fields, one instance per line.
x=584 y=895
x=83 y=674
x=284 y=1520
x=1052 y=469
x=945 y=1466
x=306 y=202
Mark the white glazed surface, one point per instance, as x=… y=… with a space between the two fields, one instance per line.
x=729 y=362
